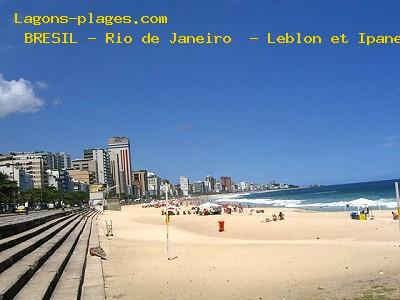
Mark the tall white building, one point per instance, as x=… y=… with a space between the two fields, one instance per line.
x=153 y=184
x=117 y=175
x=210 y=184
x=103 y=169
x=184 y=182
x=120 y=155
x=244 y=186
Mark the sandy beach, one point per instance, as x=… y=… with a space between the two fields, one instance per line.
x=309 y=255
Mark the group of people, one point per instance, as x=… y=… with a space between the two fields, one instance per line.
x=235 y=208
x=280 y=216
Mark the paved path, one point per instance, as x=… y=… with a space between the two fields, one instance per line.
x=15 y=218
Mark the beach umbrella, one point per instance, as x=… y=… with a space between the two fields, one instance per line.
x=362 y=202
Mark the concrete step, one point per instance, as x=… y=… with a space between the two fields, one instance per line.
x=69 y=286
x=23 y=236
x=93 y=280
x=13 y=254
x=14 y=225
x=43 y=282
x=15 y=277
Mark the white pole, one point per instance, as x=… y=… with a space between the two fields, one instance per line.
x=167 y=218
x=396 y=185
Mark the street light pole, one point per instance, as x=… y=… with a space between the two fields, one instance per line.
x=167 y=219
x=396 y=185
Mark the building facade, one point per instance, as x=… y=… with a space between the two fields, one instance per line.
x=60 y=161
x=140 y=182
x=120 y=155
x=61 y=180
x=153 y=184
x=210 y=184
x=184 y=183
x=86 y=165
x=103 y=168
x=80 y=176
x=198 y=187
x=24 y=181
x=33 y=163
x=226 y=183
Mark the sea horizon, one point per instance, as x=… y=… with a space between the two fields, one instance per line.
x=379 y=194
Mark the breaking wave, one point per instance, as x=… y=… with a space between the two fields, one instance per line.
x=360 y=202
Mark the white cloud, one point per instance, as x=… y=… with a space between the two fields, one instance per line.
x=18 y=96
x=391 y=141
x=41 y=85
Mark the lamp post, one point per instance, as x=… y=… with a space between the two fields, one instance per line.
x=396 y=185
x=167 y=219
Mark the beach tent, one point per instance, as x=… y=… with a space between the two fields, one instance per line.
x=363 y=202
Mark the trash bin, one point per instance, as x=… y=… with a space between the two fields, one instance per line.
x=221 y=226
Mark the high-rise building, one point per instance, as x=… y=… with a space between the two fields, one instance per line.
x=60 y=161
x=218 y=187
x=120 y=155
x=198 y=187
x=210 y=184
x=184 y=182
x=226 y=183
x=166 y=186
x=33 y=163
x=244 y=186
x=139 y=179
x=103 y=169
x=153 y=184
x=116 y=173
x=88 y=165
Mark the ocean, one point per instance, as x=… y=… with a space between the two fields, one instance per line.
x=378 y=194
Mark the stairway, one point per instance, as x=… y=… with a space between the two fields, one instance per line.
x=49 y=258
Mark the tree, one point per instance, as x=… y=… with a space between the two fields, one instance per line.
x=8 y=189
x=49 y=194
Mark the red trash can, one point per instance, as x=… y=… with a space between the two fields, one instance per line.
x=221 y=226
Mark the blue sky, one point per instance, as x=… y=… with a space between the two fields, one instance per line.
x=301 y=114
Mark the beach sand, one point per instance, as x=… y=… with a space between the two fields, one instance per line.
x=309 y=255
